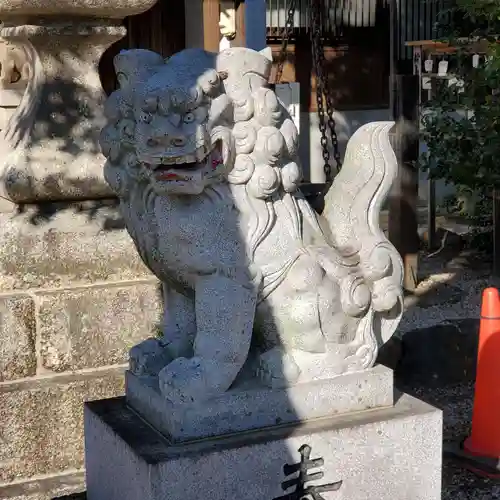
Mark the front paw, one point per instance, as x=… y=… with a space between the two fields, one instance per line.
x=148 y=358
x=185 y=380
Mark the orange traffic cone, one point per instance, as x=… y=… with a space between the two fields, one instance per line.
x=480 y=452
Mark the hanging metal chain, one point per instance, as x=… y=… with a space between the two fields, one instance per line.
x=323 y=95
x=330 y=113
x=286 y=35
x=316 y=48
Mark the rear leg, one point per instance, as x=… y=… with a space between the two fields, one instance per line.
x=296 y=320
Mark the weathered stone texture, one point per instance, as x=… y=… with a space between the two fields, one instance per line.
x=17 y=337
x=63 y=486
x=390 y=453
x=47 y=495
x=65 y=246
x=42 y=423
x=93 y=327
x=74 y=295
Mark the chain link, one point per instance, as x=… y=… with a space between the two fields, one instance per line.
x=330 y=114
x=286 y=35
x=316 y=48
x=323 y=95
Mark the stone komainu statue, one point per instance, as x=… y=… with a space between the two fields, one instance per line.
x=203 y=157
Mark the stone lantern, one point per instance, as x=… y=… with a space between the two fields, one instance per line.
x=49 y=149
x=14 y=76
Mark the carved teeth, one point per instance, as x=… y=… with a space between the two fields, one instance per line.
x=185 y=159
x=199 y=156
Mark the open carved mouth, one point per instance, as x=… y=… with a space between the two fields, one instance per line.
x=182 y=169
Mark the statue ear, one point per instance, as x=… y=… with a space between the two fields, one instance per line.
x=267 y=53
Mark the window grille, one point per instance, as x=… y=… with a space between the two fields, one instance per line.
x=415 y=19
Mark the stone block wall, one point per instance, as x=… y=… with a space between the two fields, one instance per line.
x=74 y=297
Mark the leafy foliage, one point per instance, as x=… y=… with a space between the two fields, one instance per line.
x=461 y=123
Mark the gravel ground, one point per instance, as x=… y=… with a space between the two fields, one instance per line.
x=456 y=403
x=443 y=314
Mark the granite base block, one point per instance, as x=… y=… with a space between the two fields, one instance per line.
x=382 y=454
x=257 y=407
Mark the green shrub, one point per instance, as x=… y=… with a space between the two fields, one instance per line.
x=461 y=123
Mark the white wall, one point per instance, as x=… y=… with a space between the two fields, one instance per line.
x=347 y=123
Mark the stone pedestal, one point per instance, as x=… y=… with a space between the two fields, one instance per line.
x=241 y=409
x=372 y=447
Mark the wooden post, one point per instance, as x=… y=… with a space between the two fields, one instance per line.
x=211 y=30
x=403 y=218
x=240 y=38
x=255 y=22
x=393 y=48
x=251 y=29
x=431 y=214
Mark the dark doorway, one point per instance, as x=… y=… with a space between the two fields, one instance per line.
x=162 y=29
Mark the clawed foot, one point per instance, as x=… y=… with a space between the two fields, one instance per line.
x=361 y=357
x=186 y=380
x=148 y=358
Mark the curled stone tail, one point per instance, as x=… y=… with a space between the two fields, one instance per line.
x=352 y=211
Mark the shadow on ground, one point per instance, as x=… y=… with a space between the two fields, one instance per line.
x=443 y=376
x=434 y=357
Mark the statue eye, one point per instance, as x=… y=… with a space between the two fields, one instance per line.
x=145 y=117
x=188 y=117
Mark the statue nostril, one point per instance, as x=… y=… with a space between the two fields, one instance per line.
x=178 y=142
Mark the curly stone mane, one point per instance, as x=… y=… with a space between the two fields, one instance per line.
x=259 y=140
x=239 y=149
